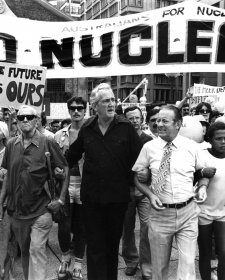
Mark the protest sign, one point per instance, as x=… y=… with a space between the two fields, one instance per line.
x=20 y=84
x=186 y=37
x=201 y=92
x=59 y=111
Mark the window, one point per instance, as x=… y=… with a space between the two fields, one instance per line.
x=88 y=3
x=104 y=14
x=123 y=3
x=96 y=8
x=114 y=81
x=139 y=3
x=160 y=79
x=56 y=85
x=136 y=79
x=104 y=3
x=113 y=9
x=123 y=79
x=135 y=3
x=81 y=8
x=161 y=95
x=89 y=14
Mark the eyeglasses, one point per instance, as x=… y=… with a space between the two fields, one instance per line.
x=153 y=120
x=202 y=111
x=78 y=108
x=28 y=117
x=185 y=109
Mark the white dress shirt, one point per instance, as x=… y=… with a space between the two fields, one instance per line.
x=185 y=160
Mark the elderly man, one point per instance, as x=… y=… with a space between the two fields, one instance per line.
x=28 y=202
x=111 y=145
x=172 y=160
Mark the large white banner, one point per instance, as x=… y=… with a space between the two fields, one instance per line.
x=186 y=37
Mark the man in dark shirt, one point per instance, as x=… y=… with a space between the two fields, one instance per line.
x=110 y=144
x=142 y=204
x=28 y=203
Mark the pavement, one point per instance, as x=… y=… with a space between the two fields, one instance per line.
x=53 y=262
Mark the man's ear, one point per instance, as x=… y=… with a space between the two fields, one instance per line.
x=179 y=124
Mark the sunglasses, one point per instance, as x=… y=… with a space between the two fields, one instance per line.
x=28 y=117
x=153 y=120
x=202 y=111
x=78 y=108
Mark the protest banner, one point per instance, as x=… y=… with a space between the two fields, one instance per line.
x=58 y=111
x=186 y=37
x=20 y=84
x=201 y=92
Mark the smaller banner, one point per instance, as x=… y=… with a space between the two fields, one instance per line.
x=203 y=93
x=22 y=85
x=59 y=111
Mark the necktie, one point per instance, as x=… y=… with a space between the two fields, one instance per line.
x=164 y=168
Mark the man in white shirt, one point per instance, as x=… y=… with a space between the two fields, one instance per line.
x=174 y=212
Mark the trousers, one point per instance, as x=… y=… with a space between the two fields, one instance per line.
x=164 y=226
x=32 y=235
x=103 y=229
x=129 y=249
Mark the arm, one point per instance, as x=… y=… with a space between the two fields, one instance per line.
x=59 y=162
x=154 y=200
x=201 y=192
x=76 y=150
x=188 y=95
x=3 y=196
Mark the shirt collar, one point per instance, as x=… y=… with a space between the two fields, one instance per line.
x=66 y=129
x=34 y=140
x=177 y=141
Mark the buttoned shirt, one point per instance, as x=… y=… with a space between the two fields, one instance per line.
x=27 y=174
x=62 y=137
x=108 y=160
x=185 y=160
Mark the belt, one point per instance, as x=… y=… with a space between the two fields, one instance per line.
x=178 y=205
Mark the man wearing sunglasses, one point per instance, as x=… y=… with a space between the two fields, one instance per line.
x=72 y=221
x=111 y=145
x=28 y=202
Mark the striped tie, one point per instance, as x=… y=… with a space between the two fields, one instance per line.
x=159 y=183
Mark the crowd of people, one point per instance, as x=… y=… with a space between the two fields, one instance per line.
x=106 y=167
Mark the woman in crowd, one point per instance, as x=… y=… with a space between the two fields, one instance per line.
x=212 y=216
x=205 y=110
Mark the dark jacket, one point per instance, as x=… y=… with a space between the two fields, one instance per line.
x=108 y=160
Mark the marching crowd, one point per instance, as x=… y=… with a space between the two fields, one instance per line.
x=91 y=175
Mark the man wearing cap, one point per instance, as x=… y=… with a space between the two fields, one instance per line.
x=111 y=146
x=28 y=203
x=172 y=160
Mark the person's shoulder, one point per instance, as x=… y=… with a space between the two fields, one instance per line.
x=58 y=133
x=145 y=137
x=88 y=122
x=49 y=133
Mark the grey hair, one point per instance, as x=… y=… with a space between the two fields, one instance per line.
x=27 y=107
x=98 y=91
